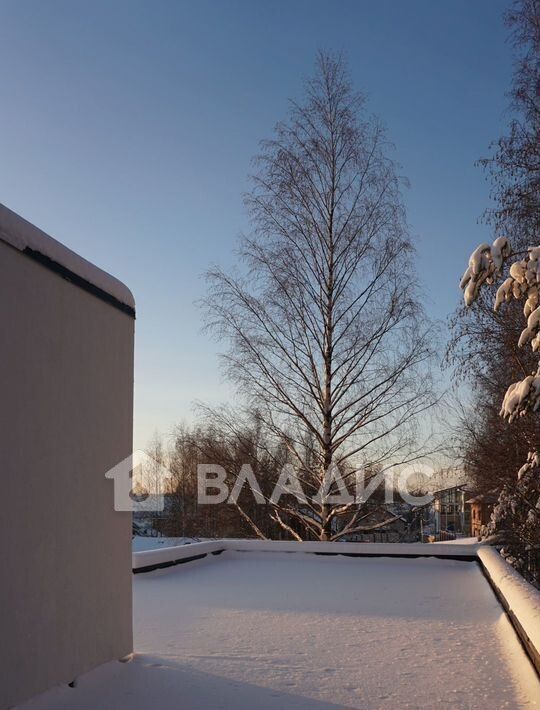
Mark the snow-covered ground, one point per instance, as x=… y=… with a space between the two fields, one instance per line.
x=275 y=630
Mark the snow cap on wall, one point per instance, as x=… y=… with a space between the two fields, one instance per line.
x=24 y=236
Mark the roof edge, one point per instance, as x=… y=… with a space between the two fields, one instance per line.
x=35 y=243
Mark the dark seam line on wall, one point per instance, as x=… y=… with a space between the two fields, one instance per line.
x=409 y=555
x=69 y=275
x=173 y=563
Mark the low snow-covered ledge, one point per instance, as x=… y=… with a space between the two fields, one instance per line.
x=363 y=549
x=520 y=600
x=148 y=560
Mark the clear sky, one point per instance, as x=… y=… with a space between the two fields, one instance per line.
x=127 y=129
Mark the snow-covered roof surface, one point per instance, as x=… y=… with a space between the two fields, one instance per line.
x=264 y=630
x=23 y=235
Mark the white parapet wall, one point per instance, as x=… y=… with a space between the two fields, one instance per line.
x=378 y=549
x=167 y=556
x=66 y=413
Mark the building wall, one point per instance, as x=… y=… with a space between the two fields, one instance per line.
x=481 y=510
x=449 y=511
x=476 y=519
x=66 y=405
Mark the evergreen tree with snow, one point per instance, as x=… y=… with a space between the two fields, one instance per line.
x=502 y=348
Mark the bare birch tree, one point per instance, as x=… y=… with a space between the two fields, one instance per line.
x=326 y=335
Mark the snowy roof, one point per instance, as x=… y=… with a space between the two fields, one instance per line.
x=302 y=631
x=489 y=497
x=31 y=240
x=458 y=487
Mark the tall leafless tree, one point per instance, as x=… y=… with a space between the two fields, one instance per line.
x=327 y=338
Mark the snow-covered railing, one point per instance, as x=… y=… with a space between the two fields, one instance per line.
x=520 y=600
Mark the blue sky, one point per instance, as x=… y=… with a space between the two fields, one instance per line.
x=127 y=129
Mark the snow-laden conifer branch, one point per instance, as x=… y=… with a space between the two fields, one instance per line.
x=518 y=506
x=485 y=264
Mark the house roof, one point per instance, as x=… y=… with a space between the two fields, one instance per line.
x=489 y=497
x=461 y=487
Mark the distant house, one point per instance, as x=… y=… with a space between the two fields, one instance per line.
x=388 y=523
x=450 y=514
x=481 y=507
